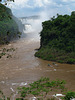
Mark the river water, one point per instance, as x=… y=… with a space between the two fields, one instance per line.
x=24 y=68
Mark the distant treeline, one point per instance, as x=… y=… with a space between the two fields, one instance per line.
x=8 y=27
x=58 y=39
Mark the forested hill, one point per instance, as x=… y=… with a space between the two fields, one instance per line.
x=58 y=39
x=8 y=27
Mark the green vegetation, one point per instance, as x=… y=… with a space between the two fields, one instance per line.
x=42 y=89
x=69 y=96
x=2 y=97
x=58 y=39
x=6 y=52
x=8 y=27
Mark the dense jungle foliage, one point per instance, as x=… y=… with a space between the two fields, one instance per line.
x=58 y=39
x=8 y=27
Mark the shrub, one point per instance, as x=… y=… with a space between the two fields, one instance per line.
x=71 y=61
x=69 y=95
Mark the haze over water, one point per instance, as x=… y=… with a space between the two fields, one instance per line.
x=24 y=67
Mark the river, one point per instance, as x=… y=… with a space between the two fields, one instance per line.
x=24 y=68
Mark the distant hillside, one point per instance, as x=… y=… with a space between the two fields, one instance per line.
x=8 y=27
x=58 y=39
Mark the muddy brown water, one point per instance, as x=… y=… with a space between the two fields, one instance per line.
x=24 y=67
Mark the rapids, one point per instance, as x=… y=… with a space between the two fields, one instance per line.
x=24 y=68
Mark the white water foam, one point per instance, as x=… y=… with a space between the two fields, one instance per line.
x=19 y=84
x=12 y=89
x=2 y=82
x=32 y=28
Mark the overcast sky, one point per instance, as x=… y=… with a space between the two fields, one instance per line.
x=21 y=8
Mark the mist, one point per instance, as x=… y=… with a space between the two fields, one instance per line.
x=31 y=26
x=35 y=25
x=28 y=8
x=45 y=9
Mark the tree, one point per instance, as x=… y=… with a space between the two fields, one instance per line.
x=5 y=1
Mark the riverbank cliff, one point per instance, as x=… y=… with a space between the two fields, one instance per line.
x=58 y=39
x=8 y=27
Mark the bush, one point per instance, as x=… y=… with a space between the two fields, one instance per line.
x=41 y=88
x=69 y=95
x=71 y=61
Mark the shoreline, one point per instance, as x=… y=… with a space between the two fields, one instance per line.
x=25 y=67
